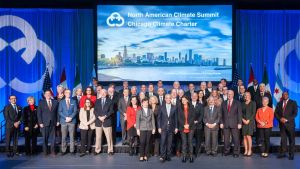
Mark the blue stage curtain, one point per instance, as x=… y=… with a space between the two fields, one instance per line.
x=68 y=33
x=259 y=36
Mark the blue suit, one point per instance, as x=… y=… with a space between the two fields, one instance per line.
x=64 y=112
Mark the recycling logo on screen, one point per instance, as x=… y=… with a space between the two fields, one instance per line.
x=32 y=45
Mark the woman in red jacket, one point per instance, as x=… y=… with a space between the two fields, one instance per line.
x=131 y=130
x=264 y=119
x=88 y=93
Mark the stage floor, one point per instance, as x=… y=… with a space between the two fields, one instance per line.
x=123 y=161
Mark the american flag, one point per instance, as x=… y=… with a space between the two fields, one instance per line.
x=236 y=77
x=47 y=82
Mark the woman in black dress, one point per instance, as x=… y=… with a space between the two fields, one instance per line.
x=154 y=106
x=248 y=118
x=31 y=128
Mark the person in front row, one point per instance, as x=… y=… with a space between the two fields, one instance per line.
x=286 y=112
x=231 y=123
x=67 y=111
x=47 y=118
x=12 y=115
x=87 y=126
x=167 y=126
x=103 y=112
x=145 y=127
x=186 y=118
x=211 y=120
x=264 y=119
x=31 y=127
x=131 y=112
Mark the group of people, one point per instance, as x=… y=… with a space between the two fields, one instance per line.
x=155 y=121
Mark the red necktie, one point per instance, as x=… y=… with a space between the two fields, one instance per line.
x=229 y=106
x=284 y=106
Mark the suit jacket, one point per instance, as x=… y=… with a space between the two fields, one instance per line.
x=253 y=92
x=290 y=113
x=145 y=122
x=188 y=94
x=77 y=101
x=163 y=100
x=11 y=115
x=182 y=119
x=64 y=112
x=163 y=118
x=29 y=117
x=234 y=117
x=106 y=111
x=258 y=100
x=122 y=106
x=212 y=118
x=115 y=100
x=154 y=94
x=84 y=123
x=45 y=115
x=199 y=112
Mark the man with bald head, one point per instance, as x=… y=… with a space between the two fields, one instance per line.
x=231 y=123
x=103 y=112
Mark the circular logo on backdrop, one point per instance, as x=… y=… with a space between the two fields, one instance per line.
x=115 y=20
x=31 y=44
x=283 y=52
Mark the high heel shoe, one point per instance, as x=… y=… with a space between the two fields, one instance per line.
x=249 y=154
x=141 y=159
x=145 y=159
x=191 y=159
x=183 y=159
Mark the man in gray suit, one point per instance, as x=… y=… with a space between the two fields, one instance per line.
x=231 y=122
x=122 y=107
x=67 y=111
x=211 y=119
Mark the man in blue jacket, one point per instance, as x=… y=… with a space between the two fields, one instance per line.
x=67 y=111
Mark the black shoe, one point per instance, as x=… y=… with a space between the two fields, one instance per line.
x=281 y=156
x=168 y=158
x=73 y=153
x=226 y=154
x=95 y=153
x=291 y=157
x=82 y=154
x=110 y=153
x=8 y=154
x=183 y=159
x=235 y=155
x=208 y=154
x=191 y=159
x=161 y=159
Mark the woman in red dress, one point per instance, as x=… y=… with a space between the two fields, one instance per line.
x=88 y=93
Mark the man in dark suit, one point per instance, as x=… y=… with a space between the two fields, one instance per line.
x=12 y=115
x=254 y=89
x=125 y=86
x=151 y=91
x=198 y=109
x=211 y=120
x=262 y=93
x=161 y=95
x=241 y=95
x=206 y=92
x=47 y=118
x=167 y=126
x=190 y=91
x=286 y=112
x=103 y=112
x=123 y=103
x=114 y=97
x=177 y=138
x=236 y=89
x=231 y=123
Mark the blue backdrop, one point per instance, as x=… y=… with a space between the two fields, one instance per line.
x=266 y=36
x=30 y=39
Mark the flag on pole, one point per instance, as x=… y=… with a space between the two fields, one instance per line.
x=47 y=85
x=251 y=77
x=266 y=80
x=63 y=79
x=278 y=89
x=77 y=83
x=93 y=75
x=236 y=77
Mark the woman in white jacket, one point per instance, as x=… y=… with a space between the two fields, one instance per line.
x=87 y=126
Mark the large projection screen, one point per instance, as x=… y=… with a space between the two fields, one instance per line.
x=169 y=43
